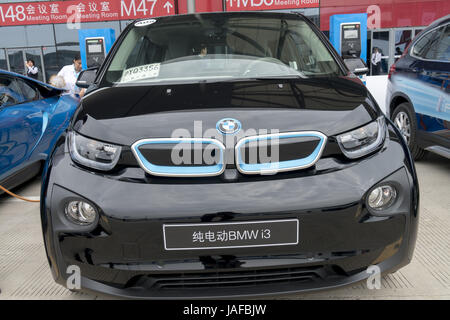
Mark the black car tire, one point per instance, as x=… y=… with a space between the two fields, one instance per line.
x=417 y=152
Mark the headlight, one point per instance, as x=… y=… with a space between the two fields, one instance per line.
x=81 y=212
x=382 y=197
x=364 y=140
x=92 y=153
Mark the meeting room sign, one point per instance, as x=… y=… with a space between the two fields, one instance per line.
x=46 y=12
x=246 y=5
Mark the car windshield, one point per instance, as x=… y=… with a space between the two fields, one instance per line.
x=220 y=47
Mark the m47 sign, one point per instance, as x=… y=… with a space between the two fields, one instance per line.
x=244 y=5
x=45 y=12
x=132 y=9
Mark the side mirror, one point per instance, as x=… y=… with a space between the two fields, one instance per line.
x=357 y=66
x=86 y=77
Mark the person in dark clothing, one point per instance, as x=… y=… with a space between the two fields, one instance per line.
x=376 y=61
x=32 y=70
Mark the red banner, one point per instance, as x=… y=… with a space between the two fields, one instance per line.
x=246 y=5
x=386 y=13
x=25 y=13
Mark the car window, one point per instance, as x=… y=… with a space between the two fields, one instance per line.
x=220 y=47
x=29 y=93
x=10 y=93
x=427 y=45
x=421 y=47
x=441 y=51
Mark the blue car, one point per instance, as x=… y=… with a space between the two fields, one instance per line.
x=418 y=91
x=32 y=117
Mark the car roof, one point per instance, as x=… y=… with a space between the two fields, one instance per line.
x=18 y=75
x=440 y=21
x=229 y=13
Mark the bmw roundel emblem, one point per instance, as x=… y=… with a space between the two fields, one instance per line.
x=228 y=126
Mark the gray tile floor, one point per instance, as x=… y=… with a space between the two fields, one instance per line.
x=24 y=271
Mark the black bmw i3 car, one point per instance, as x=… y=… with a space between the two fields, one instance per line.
x=226 y=155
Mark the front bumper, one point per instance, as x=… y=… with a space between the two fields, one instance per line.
x=124 y=255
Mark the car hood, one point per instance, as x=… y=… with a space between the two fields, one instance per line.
x=125 y=114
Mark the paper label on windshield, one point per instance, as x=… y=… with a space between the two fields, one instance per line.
x=141 y=72
x=145 y=22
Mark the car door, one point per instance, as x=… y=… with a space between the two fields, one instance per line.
x=430 y=95
x=21 y=122
x=442 y=54
x=428 y=74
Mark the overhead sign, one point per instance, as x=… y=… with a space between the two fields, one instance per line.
x=26 y=13
x=246 y=5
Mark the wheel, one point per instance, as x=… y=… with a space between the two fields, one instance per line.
x=404 y=119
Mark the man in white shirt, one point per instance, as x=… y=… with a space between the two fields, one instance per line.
x=376 y=62
x=70 y=74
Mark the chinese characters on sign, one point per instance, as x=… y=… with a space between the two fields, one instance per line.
x=231 y=235
x=27 y=13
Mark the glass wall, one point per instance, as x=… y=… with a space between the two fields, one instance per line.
x=54 y=46
x=380 y=52
x=16 y=60
x=51 y=63
x=50 y=46
x=402 y=40
x=27 y=36
x=66 y=54
x=35 y=55
x=3 y=63
x=13 y=37
x=390 y=45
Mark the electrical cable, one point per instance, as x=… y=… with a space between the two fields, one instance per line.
x=17 y=196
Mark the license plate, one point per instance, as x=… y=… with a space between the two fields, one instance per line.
x=222 y=235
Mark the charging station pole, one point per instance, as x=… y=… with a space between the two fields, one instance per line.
x=348 y=34
x=94 y=46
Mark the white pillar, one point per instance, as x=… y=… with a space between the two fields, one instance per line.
x=191 y=6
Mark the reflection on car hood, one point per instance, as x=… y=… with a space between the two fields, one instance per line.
x=126 y=114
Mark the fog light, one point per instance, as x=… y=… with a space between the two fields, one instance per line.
x=382 y=197
x=81 y=212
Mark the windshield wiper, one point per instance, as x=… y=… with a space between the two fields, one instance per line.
x=266 y=78
x=287 y=77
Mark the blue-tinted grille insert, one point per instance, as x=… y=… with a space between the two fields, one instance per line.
x=280 y=166
x=179 y=170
